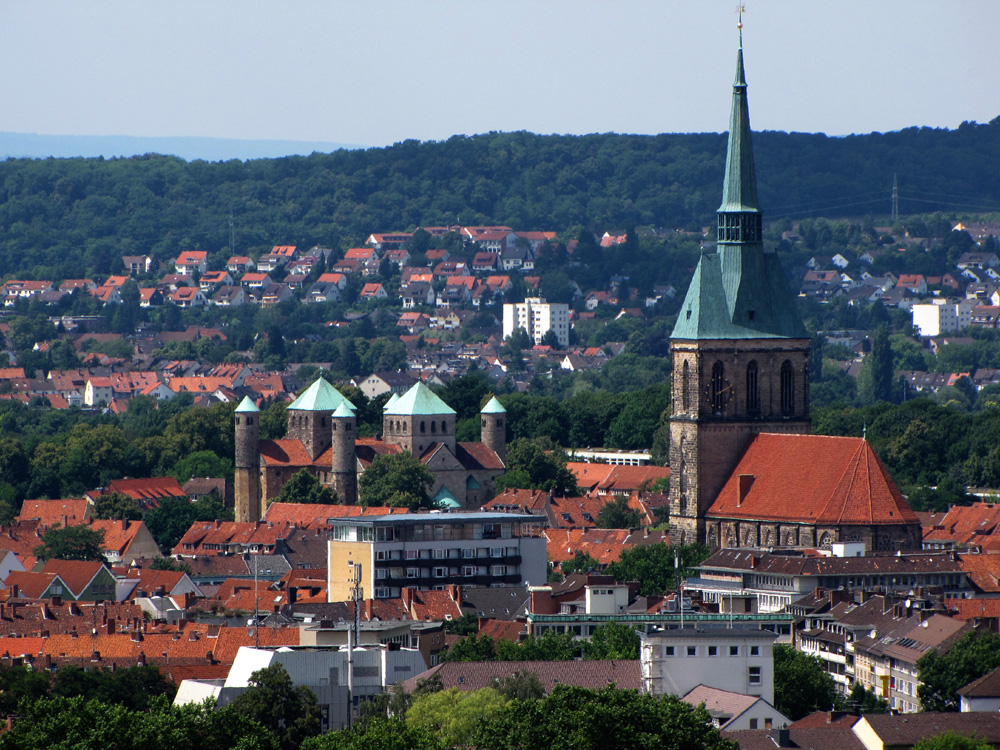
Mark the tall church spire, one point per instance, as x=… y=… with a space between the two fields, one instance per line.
x=739 y=192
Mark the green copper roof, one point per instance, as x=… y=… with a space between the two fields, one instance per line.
x=739 y=291
x=444 y=499
x=343 y=410
x=392 y=399
x=419 y=400
x=320 y=396
x=493 y=406
x=246 y=405
x=739 y=192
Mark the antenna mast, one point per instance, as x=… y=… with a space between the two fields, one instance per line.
x=895 y=199
x=232 y=238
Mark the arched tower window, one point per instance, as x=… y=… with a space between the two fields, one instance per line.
x=753 y=392
x=685 y=393
x=718 y=387
x=787 y=389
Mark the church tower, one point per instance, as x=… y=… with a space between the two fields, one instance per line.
x=247 y=475
x=344 y=462
x=493 y=427
x=740 y=353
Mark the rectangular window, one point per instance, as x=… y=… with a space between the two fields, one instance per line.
x=713 y=650
x=440 y=572
x=381 y=573
x=668 y=650
x=412 y=554
x=381 y=592
x=753 y=723
x=734 y=650
x=413 y=572
x=692 y=650
x=753 y=676
x=439 y=554
x=755 y=651
x=496 y=552
x=381 y=554
x=469 y=570
x=499 y=570
x=468 y=552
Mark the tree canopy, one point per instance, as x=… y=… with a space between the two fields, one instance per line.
x=974 y=655
x=397 y=479
x=71 y=543
x=801 y=685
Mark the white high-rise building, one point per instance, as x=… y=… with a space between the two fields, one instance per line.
x=536 y=316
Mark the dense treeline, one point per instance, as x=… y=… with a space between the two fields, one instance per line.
x=61 y=218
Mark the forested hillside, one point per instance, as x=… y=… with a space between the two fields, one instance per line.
x=63 y=218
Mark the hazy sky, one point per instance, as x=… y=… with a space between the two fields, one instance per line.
x=372 y=72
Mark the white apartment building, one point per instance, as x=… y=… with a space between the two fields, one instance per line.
x=942 y=316
x=674 y=662
x=536 y=316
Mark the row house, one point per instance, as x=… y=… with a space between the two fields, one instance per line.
x=24 y=289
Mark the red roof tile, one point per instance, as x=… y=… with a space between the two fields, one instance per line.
x=812 y=478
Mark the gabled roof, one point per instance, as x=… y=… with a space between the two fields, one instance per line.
x=812 y=479
x=76 y=574
x=596 y=675
x=320 y=396
x=53 y=512
x=420 y=401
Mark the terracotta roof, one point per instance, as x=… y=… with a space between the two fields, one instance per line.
x=983 y=571
x=819 y=719
x=30 y=585
x=474 y=456
x=53 y=512
x=971 y=609
x=909 y=729
x=719 y=701
x=967 y=525
x=231 y=639
x=118 y=535
x=285 y=452
x=836 y=737
x=152 y=488
x=76 y=574
x=813 y=479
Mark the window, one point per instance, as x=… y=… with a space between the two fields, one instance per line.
x=381 y=554
x=753 y=675
x=468 y=552
x=755 y=651
x=753 y=723
x=412 y=554
x=713 y=650
x=692 y=651
x=753 y=394
x=668 y=650
x=499 y=570
x=685 y=397
x=412 y=572
x=439 y=554
x=381 y=573
x=440 y=572
x=734 y=650
x=718 y=388
x=382 y=592
x=496 y=552
x=787 y=389
x=469 y=570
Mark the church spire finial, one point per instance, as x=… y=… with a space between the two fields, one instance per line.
x=739 y=9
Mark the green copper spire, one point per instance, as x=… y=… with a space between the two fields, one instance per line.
x=739 y=291
x=739 y=192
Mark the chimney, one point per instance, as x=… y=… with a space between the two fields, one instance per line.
x=406 y=597
x=368 y=609
x=65 y=521
x=455 y=592
x=743 y=484
x=541 y=601
x=781 y=737
x=15 y=591
x=110 y=628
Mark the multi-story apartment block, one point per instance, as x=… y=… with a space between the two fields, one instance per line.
x=537 y=317
x=430 y=550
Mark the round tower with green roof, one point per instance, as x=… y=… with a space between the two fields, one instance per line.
x=493 y=427
x=344 y=464
x=247 y=474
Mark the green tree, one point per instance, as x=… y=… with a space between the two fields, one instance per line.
x=71 y=543
x=941 y=675
x=290 y=713
x=801 y=685
x=581 y=562
x=117 y=506
x=303 y=487
x=521 y=685
x=173 y=517
x=454 y=715
x=572 y=718
x=531 y=466
x=653 y=565
x=467 y=624
x=616 y=514
x=861 y=700
x=952 y=741
x=875 y=381
x=612 y=640
x=397 y=479
x=378 y=734
x=203 y=463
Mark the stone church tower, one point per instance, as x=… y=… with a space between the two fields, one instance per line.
x=247 y=475
x=740 y=353
x=493 y=427
x=343 y=461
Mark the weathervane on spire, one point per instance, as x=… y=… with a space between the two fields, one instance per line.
x=740 y=9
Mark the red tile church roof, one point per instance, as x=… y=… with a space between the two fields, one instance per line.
x=812 y=479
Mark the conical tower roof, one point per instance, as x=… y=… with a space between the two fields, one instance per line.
x=739 y=191
x=419 y=401
x=247 y=406
x=493 y=406
x=392 y=400
x=320 y=396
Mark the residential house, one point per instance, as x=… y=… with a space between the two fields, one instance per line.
x=914 y=282
x=84 y=580
x=399 y=256
x=126 y=541
x=385 y=382
x=238 y=265
x=230 y=296
x=188 y=297
x=372 y=291
x=484 y=262
x=136 y=265
x=733 y=712
x=391 y=241
x=71 y=285
x=255 y=282
x=980 y=261
x=417 y=294
x=210 y=281
x=324 y=291
x=517 y=259
x=270 y=262
x=275 y=294
x=414 y=322
x=982 y=694
x=150 y=297
x=191 y=262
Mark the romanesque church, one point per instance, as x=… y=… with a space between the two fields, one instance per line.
x=744 y=470
x=321 y=438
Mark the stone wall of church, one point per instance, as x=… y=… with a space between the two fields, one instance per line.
x=722 y=532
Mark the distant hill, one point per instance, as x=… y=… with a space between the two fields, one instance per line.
x=33 y=146
x=61 y=218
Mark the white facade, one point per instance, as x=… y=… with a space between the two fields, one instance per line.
x=676 y=661
x=942 y=316
x=536 y=316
